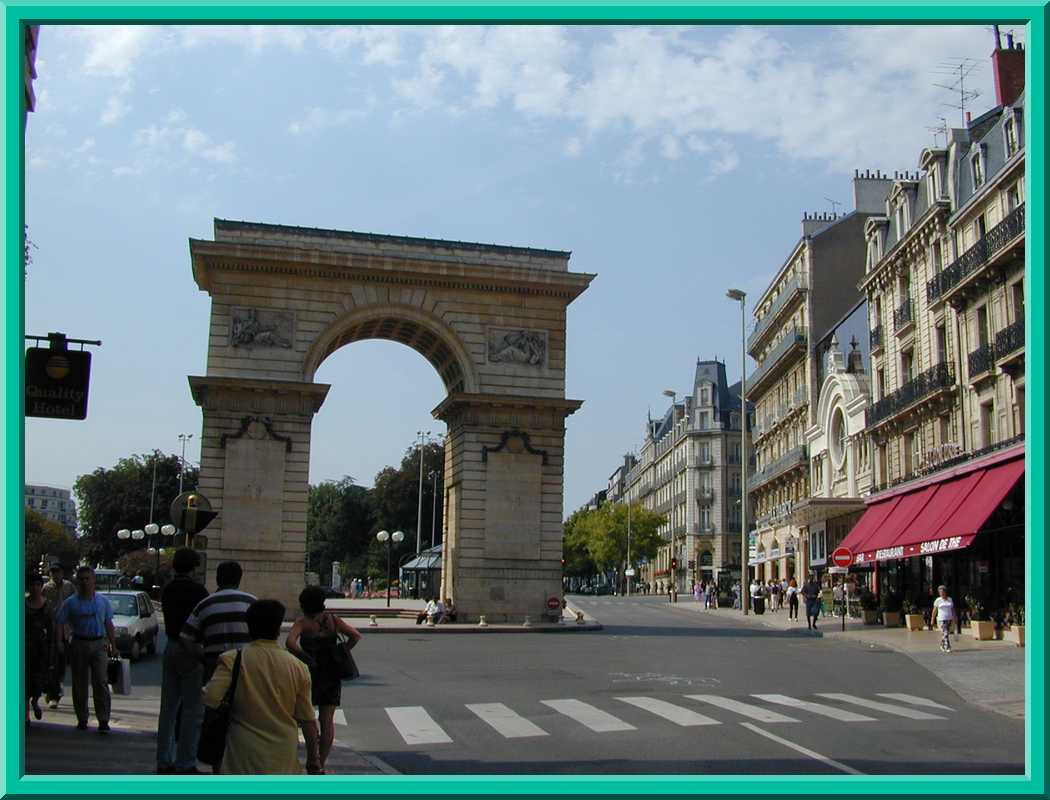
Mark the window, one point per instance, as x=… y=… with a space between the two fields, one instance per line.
x=705 y=395
x=880 y=383
x=883 y=476
x=1013 y=198
x=937 y=257
x=931 y=184
x=1017 y=295
x=979 y=228
x=900 y=222
x=1010 y=131
x=1019 y=406
x=977 y=169
x=982 y=334
x=987 y=432
x=909 y=453
x=941 y=343
x=907 y=366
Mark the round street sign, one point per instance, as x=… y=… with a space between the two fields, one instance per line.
x=553 y=603
x=842 y=557
x=629 y=572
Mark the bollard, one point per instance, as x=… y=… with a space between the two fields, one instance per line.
x=527 y=623
x=372 y=621
x=481 y=622
x=579 y=618
x=430 y=620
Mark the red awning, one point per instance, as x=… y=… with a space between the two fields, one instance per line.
x=940 y=517
x=869 y=524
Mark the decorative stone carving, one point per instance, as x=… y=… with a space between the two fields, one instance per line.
x=518 y=347
x=252 y=327
x=257 y=428
x=513 y=442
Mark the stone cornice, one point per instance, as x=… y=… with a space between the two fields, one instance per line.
x=262 y=396
x=210 y=257
x=460 y=400
x=911 y=246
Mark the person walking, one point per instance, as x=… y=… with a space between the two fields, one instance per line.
x=811 y=596
x=181 y=672
x=39 y=643
x=271 y=701
x=757 y=598
x=782 y=594
x=218 y=622
x=88 y=618
x=944 y=612
x=792 y=596
x=774 y=596
x=312 y=638
x=56 y=591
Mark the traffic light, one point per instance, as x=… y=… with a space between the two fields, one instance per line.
x=674 y=565
x=692 y=564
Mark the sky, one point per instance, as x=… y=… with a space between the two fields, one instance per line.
x=674 y=162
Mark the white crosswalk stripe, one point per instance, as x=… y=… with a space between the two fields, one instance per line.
x=416 y=726
x=685 y=717
x=875 y=705
x=815 y=708
x=744 y=709
x=916 y=701
x=587 y=715
x=507 y=722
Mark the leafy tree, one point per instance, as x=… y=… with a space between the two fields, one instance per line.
x=44 y=537
x=119 y=497
x=144 y=562
x=577 y=558
x=604 y=532
x=339 y=519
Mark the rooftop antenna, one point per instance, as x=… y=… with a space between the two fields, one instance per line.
x=834 y=205
x=939 y=130
x=955 y=73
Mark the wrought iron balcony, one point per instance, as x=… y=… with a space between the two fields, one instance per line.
x=795 y=337
x=705 y=494
x=790 y=289
x=792 y=458
x=920 y=387
x=1010 y=339
x=982 y=360
x=876 y=337
x=977 y=256
x=903 y=316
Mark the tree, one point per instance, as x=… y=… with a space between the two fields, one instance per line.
x=577 y=558
x=604 y=532
x=44 y=537
x=119 y=497
x=339 y=518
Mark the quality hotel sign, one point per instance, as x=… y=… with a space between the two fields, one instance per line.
x=57 y=383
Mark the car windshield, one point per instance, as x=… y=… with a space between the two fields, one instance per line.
x=123 y=604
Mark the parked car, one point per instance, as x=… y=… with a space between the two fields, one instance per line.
x=136 y=622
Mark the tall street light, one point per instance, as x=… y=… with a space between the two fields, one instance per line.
x=389 y=539
x=629 y=567
x=153 y=530
x=674 y=541
x=433 y=509
x=424 y=437
x=745 y=594
x=183 y=437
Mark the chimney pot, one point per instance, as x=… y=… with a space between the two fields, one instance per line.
x=969 y=117
x=1009 y=41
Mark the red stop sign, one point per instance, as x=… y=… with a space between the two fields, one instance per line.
x=553 y=603
x=842 y=557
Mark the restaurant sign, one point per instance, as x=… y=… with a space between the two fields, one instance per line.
x=917 y=549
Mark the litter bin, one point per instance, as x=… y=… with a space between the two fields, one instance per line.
x=758 y=605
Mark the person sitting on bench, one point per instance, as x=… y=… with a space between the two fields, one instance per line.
x=450 y=611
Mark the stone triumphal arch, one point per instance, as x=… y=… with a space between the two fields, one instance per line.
x=491 y=320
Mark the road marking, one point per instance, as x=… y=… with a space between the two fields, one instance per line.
x=416 y=726
x=886 y=708
x=340 y=717
x=680 y=716
x=589 y=716
x=745 y=709
x=507 y=722
x=815 y=708
x=917 y=701
x=804 y=750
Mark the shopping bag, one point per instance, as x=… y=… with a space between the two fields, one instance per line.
x=118 y=675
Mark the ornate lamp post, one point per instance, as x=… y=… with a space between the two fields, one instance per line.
x=737 y=294
x=389 y=539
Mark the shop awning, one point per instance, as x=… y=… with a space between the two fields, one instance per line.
x=937 y=517
x=869 y=525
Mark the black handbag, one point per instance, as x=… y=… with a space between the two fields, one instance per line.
x=342 y=661
x=212 y=743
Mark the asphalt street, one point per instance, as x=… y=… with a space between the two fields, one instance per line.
x=663 y=691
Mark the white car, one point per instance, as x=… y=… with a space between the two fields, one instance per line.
x=136 y=623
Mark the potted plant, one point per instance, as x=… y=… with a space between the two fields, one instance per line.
x=913 y=619
x=1015 y=633
x=869 y=607
x=891 y=610
x=981 y=624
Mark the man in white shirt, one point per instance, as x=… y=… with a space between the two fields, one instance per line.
x=944 y=613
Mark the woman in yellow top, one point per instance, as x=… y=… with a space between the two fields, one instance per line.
x=271 y=702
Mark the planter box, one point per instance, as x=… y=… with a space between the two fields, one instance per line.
x=983 y=631
x=915 y=622
x=1015 y=634
x=869 y=616
x=891 y=619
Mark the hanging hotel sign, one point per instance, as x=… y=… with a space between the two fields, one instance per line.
x=918 y=549
x=57 y=378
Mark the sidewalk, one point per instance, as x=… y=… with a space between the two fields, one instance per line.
x=989 y=674
x=358 y=610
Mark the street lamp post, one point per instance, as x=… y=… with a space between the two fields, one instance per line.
x=628 y=549
x=674 y=539
x=433 y=509
x=183 y=437
x=389 y=539
x=745 y=594
x=152 y=529
x=424 y=437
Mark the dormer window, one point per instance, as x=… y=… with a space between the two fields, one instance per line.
x=977 y=167
x=900 y=222
x=931 y=184
x=1010 y=133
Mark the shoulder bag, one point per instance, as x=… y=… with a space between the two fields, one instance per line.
x=342 y=660
x=212 y=743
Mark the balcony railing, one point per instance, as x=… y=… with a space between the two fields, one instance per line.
x=701 y=461
x=1010 y=339
x=705 y=494
x=762 y=326
x=903 y=316
x=948 y=463
x=932 y=380
x=793 y=457
x=982 y=359
x=977 y=256
x=876 y=337
x=794 y=337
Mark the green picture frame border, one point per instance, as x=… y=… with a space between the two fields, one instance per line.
x=1033 y=15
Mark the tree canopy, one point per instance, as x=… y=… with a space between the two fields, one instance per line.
x=46 y=538
x=601 y=535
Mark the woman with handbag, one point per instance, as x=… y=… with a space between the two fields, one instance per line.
x=39 y=634
x=315 y=639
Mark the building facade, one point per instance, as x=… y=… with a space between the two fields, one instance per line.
x=814 y=288
x=689 y=468
x=55 y=504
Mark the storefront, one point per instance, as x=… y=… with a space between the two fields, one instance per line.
x=963 y=527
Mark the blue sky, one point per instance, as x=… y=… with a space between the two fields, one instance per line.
x=673 y=162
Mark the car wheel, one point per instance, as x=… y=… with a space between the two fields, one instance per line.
x=151 y=648
x=136 y=649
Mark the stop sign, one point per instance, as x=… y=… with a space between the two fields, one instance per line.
x=553 y=603
x=842 y=557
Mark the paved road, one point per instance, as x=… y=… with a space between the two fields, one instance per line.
x=664 y=691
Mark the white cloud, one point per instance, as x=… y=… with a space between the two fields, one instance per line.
x=376 y=44
x=573 y=147
x=114 y=110
x=112 y=50
x=86 y=145
x=319 y=119
x=254 y=38
x=200 y=144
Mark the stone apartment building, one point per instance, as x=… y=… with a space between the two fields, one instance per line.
x=814 y=288
x=945 y=288
x=689 y=468
x=55 y=504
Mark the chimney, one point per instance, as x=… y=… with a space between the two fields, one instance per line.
x=870 y=189
x=1008 y=70
x=969 y=119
